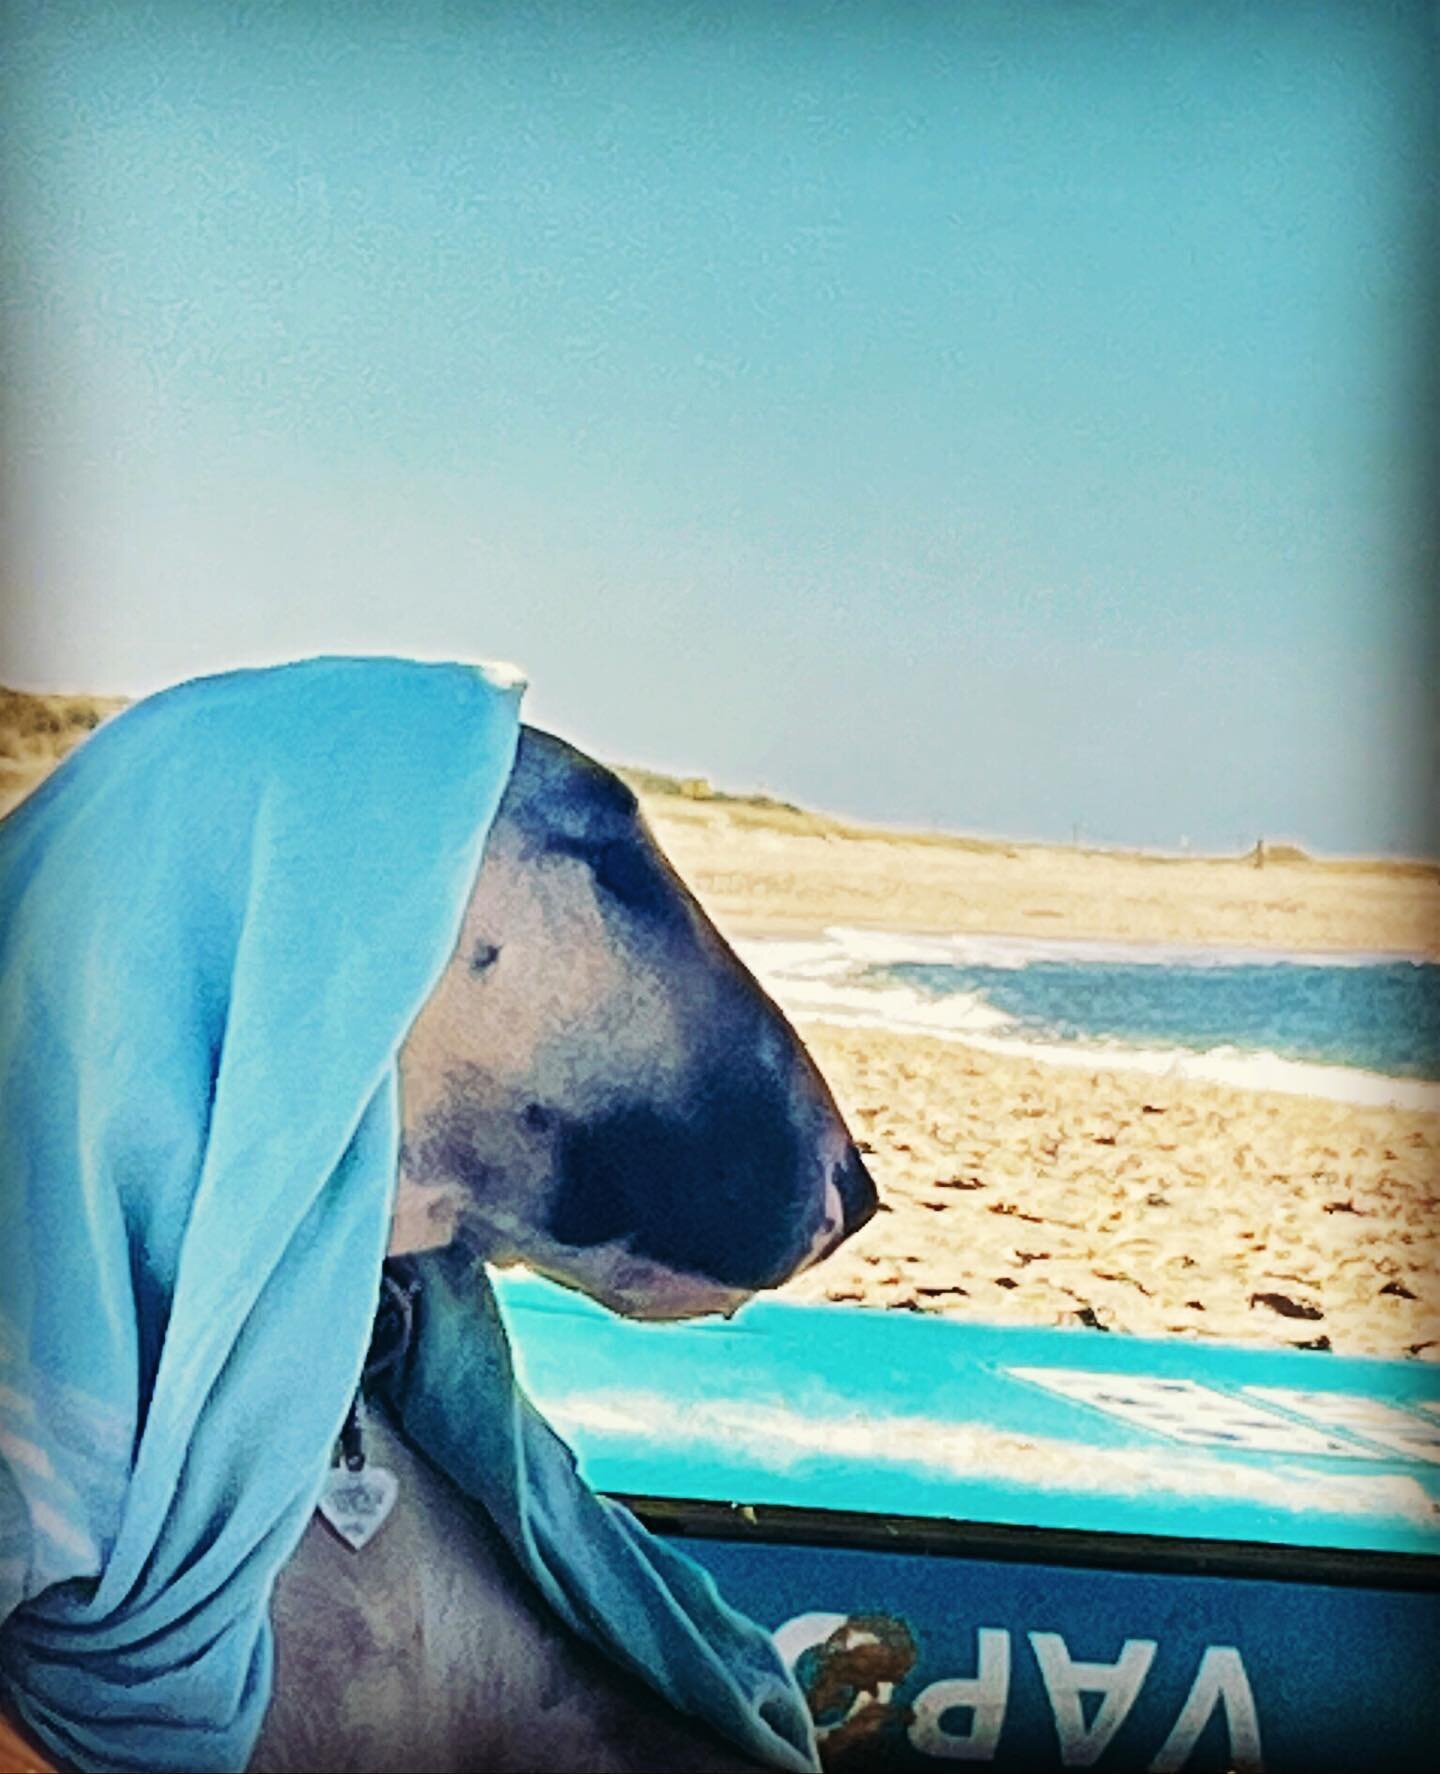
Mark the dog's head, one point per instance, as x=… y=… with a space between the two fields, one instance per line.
x=598 y=1088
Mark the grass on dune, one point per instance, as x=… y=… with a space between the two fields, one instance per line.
x=37 y=730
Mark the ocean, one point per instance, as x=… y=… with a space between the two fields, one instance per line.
x=1362 y=1028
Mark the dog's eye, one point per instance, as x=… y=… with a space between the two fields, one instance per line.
x=483 y=955
x=623 y=870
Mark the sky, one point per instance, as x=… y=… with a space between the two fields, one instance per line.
x=1005 y=417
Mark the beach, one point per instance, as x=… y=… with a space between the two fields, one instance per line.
x=1157 y=1202
x=762 y=870
x=1025 y=1192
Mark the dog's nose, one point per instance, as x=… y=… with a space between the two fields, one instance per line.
x=857 y=1191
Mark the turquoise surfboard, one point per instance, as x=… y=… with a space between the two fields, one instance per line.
x=1033 y=1548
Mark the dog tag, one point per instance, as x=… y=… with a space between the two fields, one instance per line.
x=356 y=1504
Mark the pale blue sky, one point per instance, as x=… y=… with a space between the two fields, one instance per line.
x=986 y=415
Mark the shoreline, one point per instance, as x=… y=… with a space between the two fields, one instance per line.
x=1352 y=1085
x=813 y=988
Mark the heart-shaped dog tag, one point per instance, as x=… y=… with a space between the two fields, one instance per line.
x=356 y=1504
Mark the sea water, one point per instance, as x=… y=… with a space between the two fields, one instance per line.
x=1356 y=1027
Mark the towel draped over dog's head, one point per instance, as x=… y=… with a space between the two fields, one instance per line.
x=218 y=920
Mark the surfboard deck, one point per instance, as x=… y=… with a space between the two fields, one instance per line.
x=1032 y=1548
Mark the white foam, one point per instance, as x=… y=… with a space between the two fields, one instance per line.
x=817 y=981
x=1234 y=1066
x=889 y=1007
x=883 y=948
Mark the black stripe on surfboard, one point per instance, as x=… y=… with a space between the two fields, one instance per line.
x=1162 y=1554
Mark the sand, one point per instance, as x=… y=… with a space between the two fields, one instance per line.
x=1020 y=1193
x=762 y=873
x=1024 y=1193
x=1017 y=1192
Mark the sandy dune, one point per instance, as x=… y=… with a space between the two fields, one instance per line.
x=760 y=874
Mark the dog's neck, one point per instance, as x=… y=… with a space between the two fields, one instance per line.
x=425 y=1217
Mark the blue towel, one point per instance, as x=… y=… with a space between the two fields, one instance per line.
x=218 y=919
